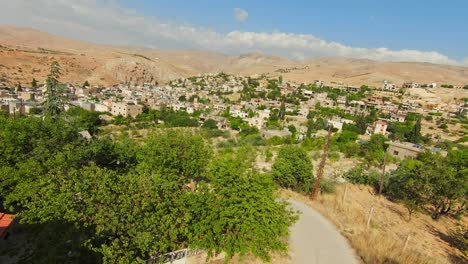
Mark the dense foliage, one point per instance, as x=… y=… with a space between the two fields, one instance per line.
x=118 y=201
x=432 y=182
x=293 y=169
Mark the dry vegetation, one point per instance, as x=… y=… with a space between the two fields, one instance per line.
x=383 y=242
x=26 y=53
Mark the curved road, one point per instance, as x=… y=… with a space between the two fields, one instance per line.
x=314 y=240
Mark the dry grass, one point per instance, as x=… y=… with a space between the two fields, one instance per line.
x=384 y=240
x=201 y=259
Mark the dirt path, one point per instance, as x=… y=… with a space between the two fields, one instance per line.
x=314 y=240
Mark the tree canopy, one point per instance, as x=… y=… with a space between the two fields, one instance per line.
x=119 y=201
x=293 y=169
x=432 y=182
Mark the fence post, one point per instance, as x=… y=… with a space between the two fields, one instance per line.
x=406 y=242
x=369 y=217
x=345 y=193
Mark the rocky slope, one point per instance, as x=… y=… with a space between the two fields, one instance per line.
x=27 y=53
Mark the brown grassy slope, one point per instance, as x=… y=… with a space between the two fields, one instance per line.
x=383 y=242
x=361 y=71
x=102 y=64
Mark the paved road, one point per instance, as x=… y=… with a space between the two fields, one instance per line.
x=314 y=240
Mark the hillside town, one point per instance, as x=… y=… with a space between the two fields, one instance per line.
x=256 y=100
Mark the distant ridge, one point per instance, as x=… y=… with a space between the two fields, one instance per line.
x=26 y=53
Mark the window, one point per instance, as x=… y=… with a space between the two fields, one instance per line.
x=395 y=153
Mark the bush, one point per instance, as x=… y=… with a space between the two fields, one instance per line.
x=230 y=143
x=334 y=156
x=293 y=169
x=211 y=133
x=358 y=175
x=253 y=140
x=268 y=155
x=275 y=141
x=443 y=126
x=327 y=186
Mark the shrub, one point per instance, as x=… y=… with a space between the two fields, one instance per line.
x=230 y=143
x=327 y=185
x=358 y=175
x=334 y=156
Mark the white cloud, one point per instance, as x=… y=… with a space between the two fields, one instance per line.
x=240 y=14
x=105 y=21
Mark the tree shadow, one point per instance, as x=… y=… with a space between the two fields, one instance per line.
x=51 y=242
x=456 y=240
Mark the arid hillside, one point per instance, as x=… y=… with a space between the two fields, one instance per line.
x=26 y=53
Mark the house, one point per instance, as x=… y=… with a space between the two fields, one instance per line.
x=319 y=83
x=352 y=89
x=336 y=124
x=26 y=96
x=379 y=127
x=387 y=86
x=126 y=109
x=256 y=122
x=403 y=150
x=411 y=85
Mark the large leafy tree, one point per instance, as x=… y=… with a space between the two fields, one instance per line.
x=408 y=185
x=293 y=169
x=433 y=182
x=175 y=151
x=245 y=215
x=374 y=149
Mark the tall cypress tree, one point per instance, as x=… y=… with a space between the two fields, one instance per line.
x=54 y=103
x=415 y=136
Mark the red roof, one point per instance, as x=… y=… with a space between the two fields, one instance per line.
x=5 y=221
x=381 y=122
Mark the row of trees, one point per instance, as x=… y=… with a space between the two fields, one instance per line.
x=430 y=183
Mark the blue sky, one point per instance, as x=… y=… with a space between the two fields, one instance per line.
x=396 y=24
x=383 y=30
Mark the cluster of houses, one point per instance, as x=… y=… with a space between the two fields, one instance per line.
x=213 y=95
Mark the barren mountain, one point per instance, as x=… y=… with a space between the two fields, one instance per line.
x=27 y=53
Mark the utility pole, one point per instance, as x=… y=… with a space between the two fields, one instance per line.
x=383 y=174
x=322 y=164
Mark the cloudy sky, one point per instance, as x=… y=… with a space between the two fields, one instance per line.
x=386 y=30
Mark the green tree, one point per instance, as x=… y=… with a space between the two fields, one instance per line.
x=210 y=124
x=374 y=149
x=177 y=152
x=293 y=169
x=18 y=88
x=245 y=217
x=282 y=111
x=430 y=181
x=34 y=83
x=415 y=136
x=54 y=103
